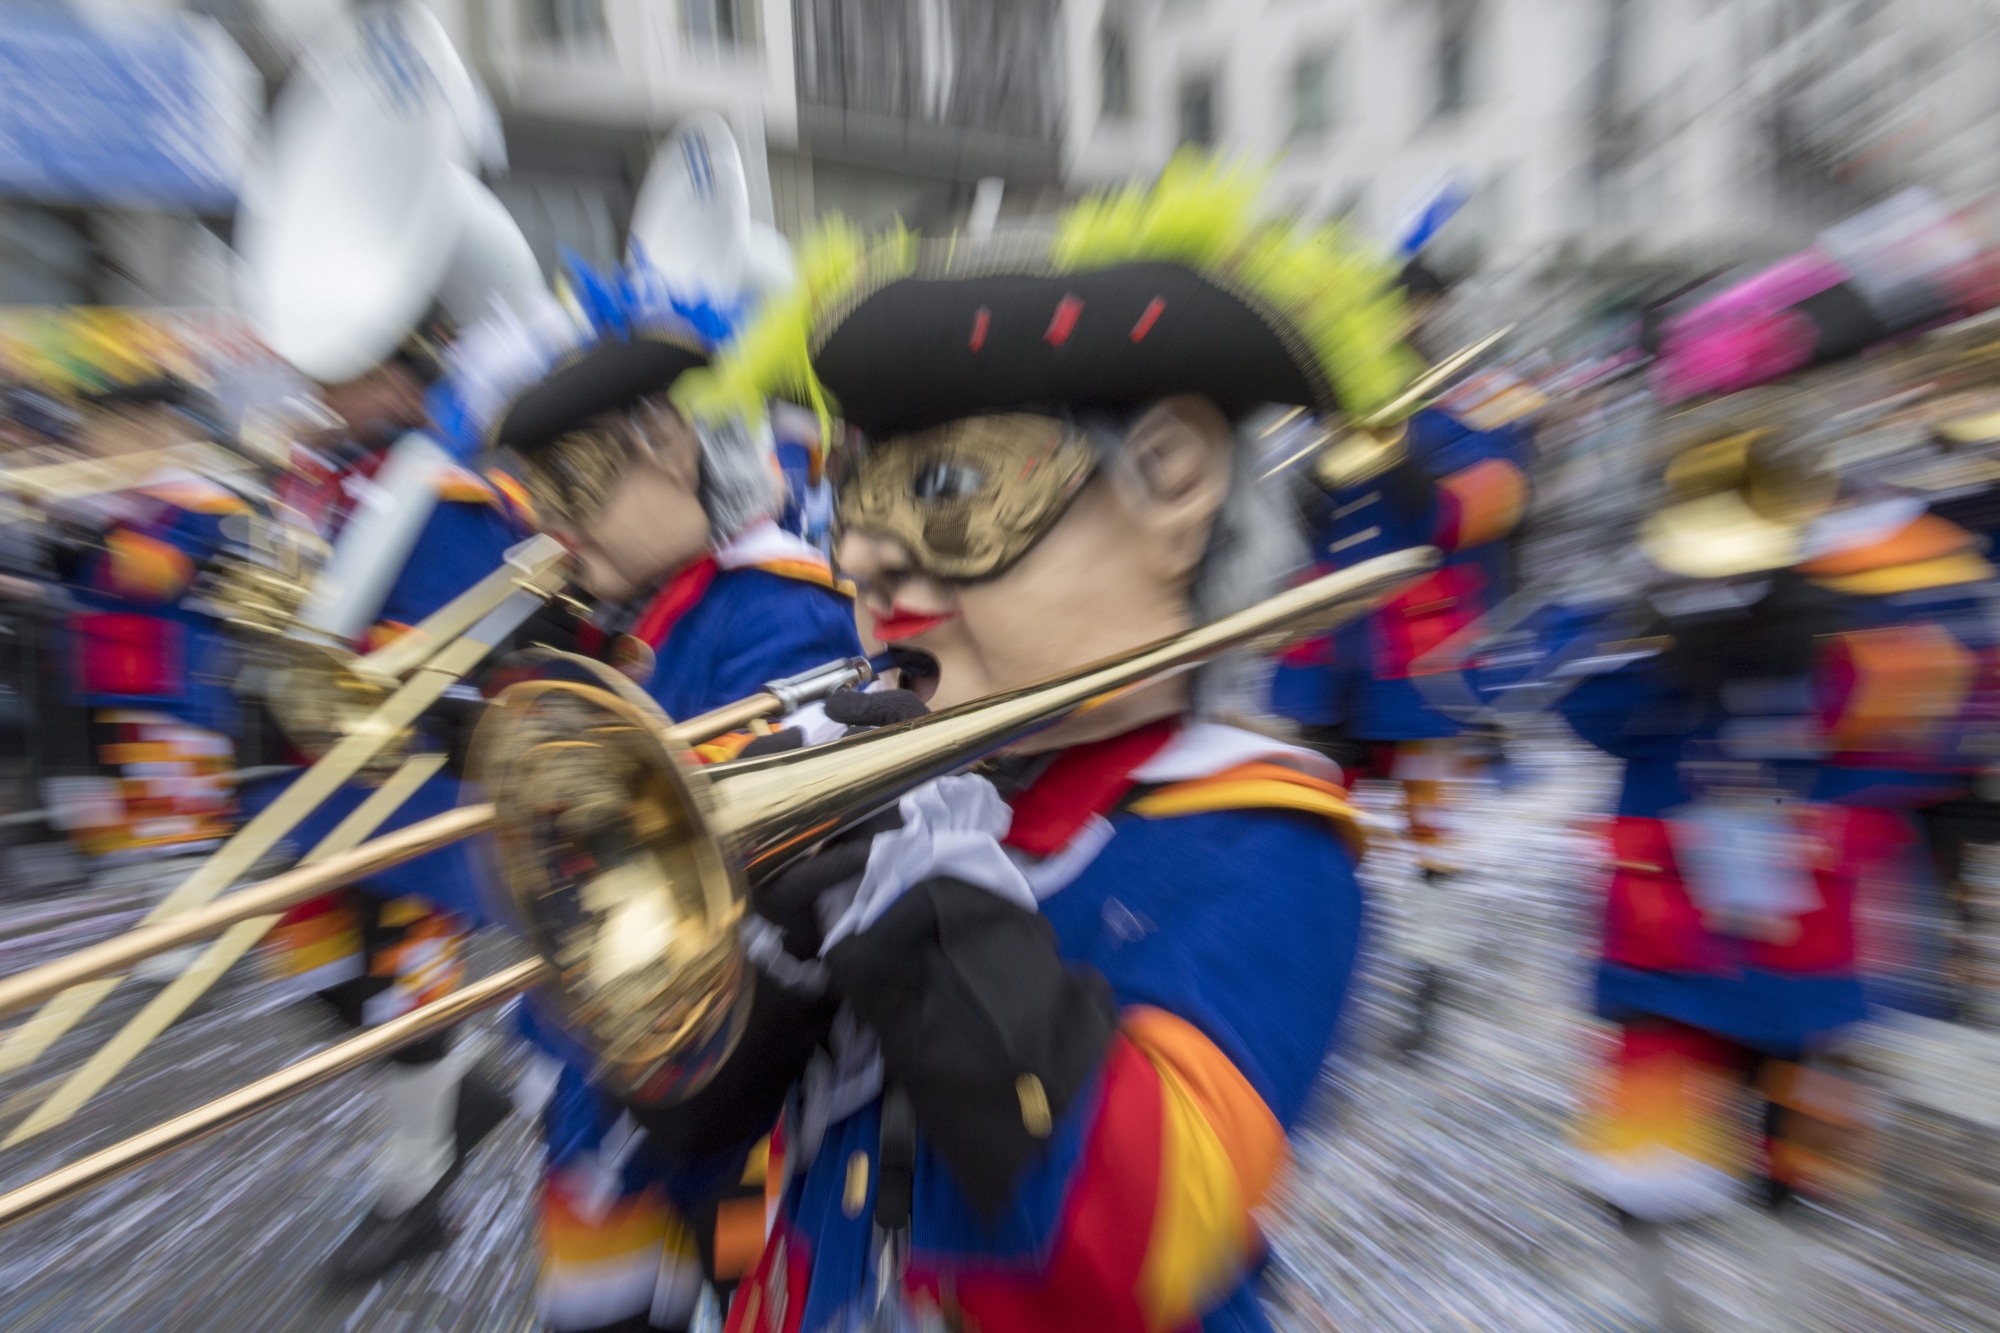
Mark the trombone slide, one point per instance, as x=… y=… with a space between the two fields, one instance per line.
x=759 y=813
x=301 y=1076
x=301 y=883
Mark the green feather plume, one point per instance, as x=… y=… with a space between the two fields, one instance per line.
x=1339 y=300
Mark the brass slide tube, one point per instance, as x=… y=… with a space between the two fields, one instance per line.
x=27 y=989
x=127 y=1154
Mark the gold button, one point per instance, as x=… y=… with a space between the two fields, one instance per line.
x=857 y=1185
x=1034 y=1106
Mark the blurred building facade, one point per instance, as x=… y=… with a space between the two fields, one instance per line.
x=1675 y=134
x=878 y=109
x=875 y=108
x=1698 y=131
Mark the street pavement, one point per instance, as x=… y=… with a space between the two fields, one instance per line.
x=1429 y=1193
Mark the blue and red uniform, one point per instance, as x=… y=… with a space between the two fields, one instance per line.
x=762 y=607
x=1217 y=897
x=404 y=943
x=158 y=671
x=1840 y=744
x=1462 y=490
x=1906 y=698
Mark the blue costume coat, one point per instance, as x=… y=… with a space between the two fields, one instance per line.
x=1460 y=489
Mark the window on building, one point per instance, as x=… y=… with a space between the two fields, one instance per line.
x=1114 y=72
x=567 y=22
x=1453 y=58
x=1312 y=95
x=720 y=22
x=1198 y=110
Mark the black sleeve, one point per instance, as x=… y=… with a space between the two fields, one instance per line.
x=971 y=1001
x=742 y=1101
x=785 y=1026
x=1408 y=490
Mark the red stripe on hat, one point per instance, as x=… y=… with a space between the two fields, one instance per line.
x=980 y=323
x=1064 y=321
x=1148 y=319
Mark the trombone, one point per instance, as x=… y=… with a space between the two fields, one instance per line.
x=1371 y=445
x=368 y=704
x=627 y=865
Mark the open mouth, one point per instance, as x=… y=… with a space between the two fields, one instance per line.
x=916 y=671
x=899 y=625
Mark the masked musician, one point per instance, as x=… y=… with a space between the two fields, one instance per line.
x=156 y=669
x=1065 y=1012
x=1782 y=694
x=702 y=599
x=1458 y=483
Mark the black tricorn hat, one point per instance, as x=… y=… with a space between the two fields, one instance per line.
x=613 y=374
x=1138 y=295
x=924 y=350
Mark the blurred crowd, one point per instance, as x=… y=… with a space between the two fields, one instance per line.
x=1734 y=534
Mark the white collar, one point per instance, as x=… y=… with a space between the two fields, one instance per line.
x=1207 y=748
x=763 y=542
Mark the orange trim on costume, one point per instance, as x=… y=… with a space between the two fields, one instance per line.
x=1221 y=1150
x=197 y=497
x=1909 y=680
x=629 y=1226
x=724 y=748
x=456 y=485
x=739 y=1236
x=516 y=494
x=1929 y=538
x=1247 y=1129
x=1259 y=785
x=816 y=572
x=146 y=568
x=1490 y=496
x=382 y=633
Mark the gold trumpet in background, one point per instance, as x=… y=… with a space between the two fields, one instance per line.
x=628 y=865
x=1369 y=446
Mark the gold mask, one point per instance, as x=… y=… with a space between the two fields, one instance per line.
x=968 y=498
x=572 y=479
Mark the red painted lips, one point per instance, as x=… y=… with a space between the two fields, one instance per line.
x=899 y=625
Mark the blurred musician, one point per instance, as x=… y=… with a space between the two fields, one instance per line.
x=1459 y=483
x=701 y=598
x=1057 y=1004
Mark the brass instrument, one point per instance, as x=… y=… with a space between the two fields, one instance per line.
x=1371 y=445
x=392 y=688
x=639 y=951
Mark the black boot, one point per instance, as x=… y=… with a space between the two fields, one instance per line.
x=482 y=1105
x=1650 y=1242
x=379 y=1244
x=1416 y=1039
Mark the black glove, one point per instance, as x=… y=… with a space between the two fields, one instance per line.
x=873 y=708
x=451 y=721
x=980 y=1021
x=789 y=1015
x=744 y=1098
x=555 y=625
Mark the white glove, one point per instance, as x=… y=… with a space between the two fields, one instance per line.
x=951 y=826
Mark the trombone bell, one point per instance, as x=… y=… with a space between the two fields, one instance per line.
x=616 y=881
x=626 y=863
